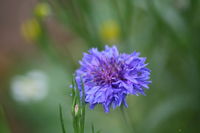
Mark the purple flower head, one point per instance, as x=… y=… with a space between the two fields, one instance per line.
x=109 y=76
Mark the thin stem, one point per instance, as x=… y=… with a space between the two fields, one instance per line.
x=126 y=119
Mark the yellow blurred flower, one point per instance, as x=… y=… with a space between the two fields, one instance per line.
x=110 y=31
x=31 y=29
x=42 y=10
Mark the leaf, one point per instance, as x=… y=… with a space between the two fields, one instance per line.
x=61 y=119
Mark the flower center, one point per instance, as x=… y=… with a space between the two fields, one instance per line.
x=106 y=73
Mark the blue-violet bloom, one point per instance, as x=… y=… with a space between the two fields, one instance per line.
x=108 y=77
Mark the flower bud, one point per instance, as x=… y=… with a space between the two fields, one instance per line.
x=76 y=109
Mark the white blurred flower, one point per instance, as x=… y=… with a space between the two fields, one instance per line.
x=30 y=87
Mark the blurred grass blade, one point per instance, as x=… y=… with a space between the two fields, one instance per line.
x=4 y=127
x=61 y=119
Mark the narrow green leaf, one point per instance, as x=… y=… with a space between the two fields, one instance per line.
x=61 y=119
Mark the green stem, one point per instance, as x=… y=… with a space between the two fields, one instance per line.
x=127 y=120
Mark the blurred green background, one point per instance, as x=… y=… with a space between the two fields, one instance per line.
x=41 y=43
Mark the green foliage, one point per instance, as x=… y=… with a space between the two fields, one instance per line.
x=78 y=108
